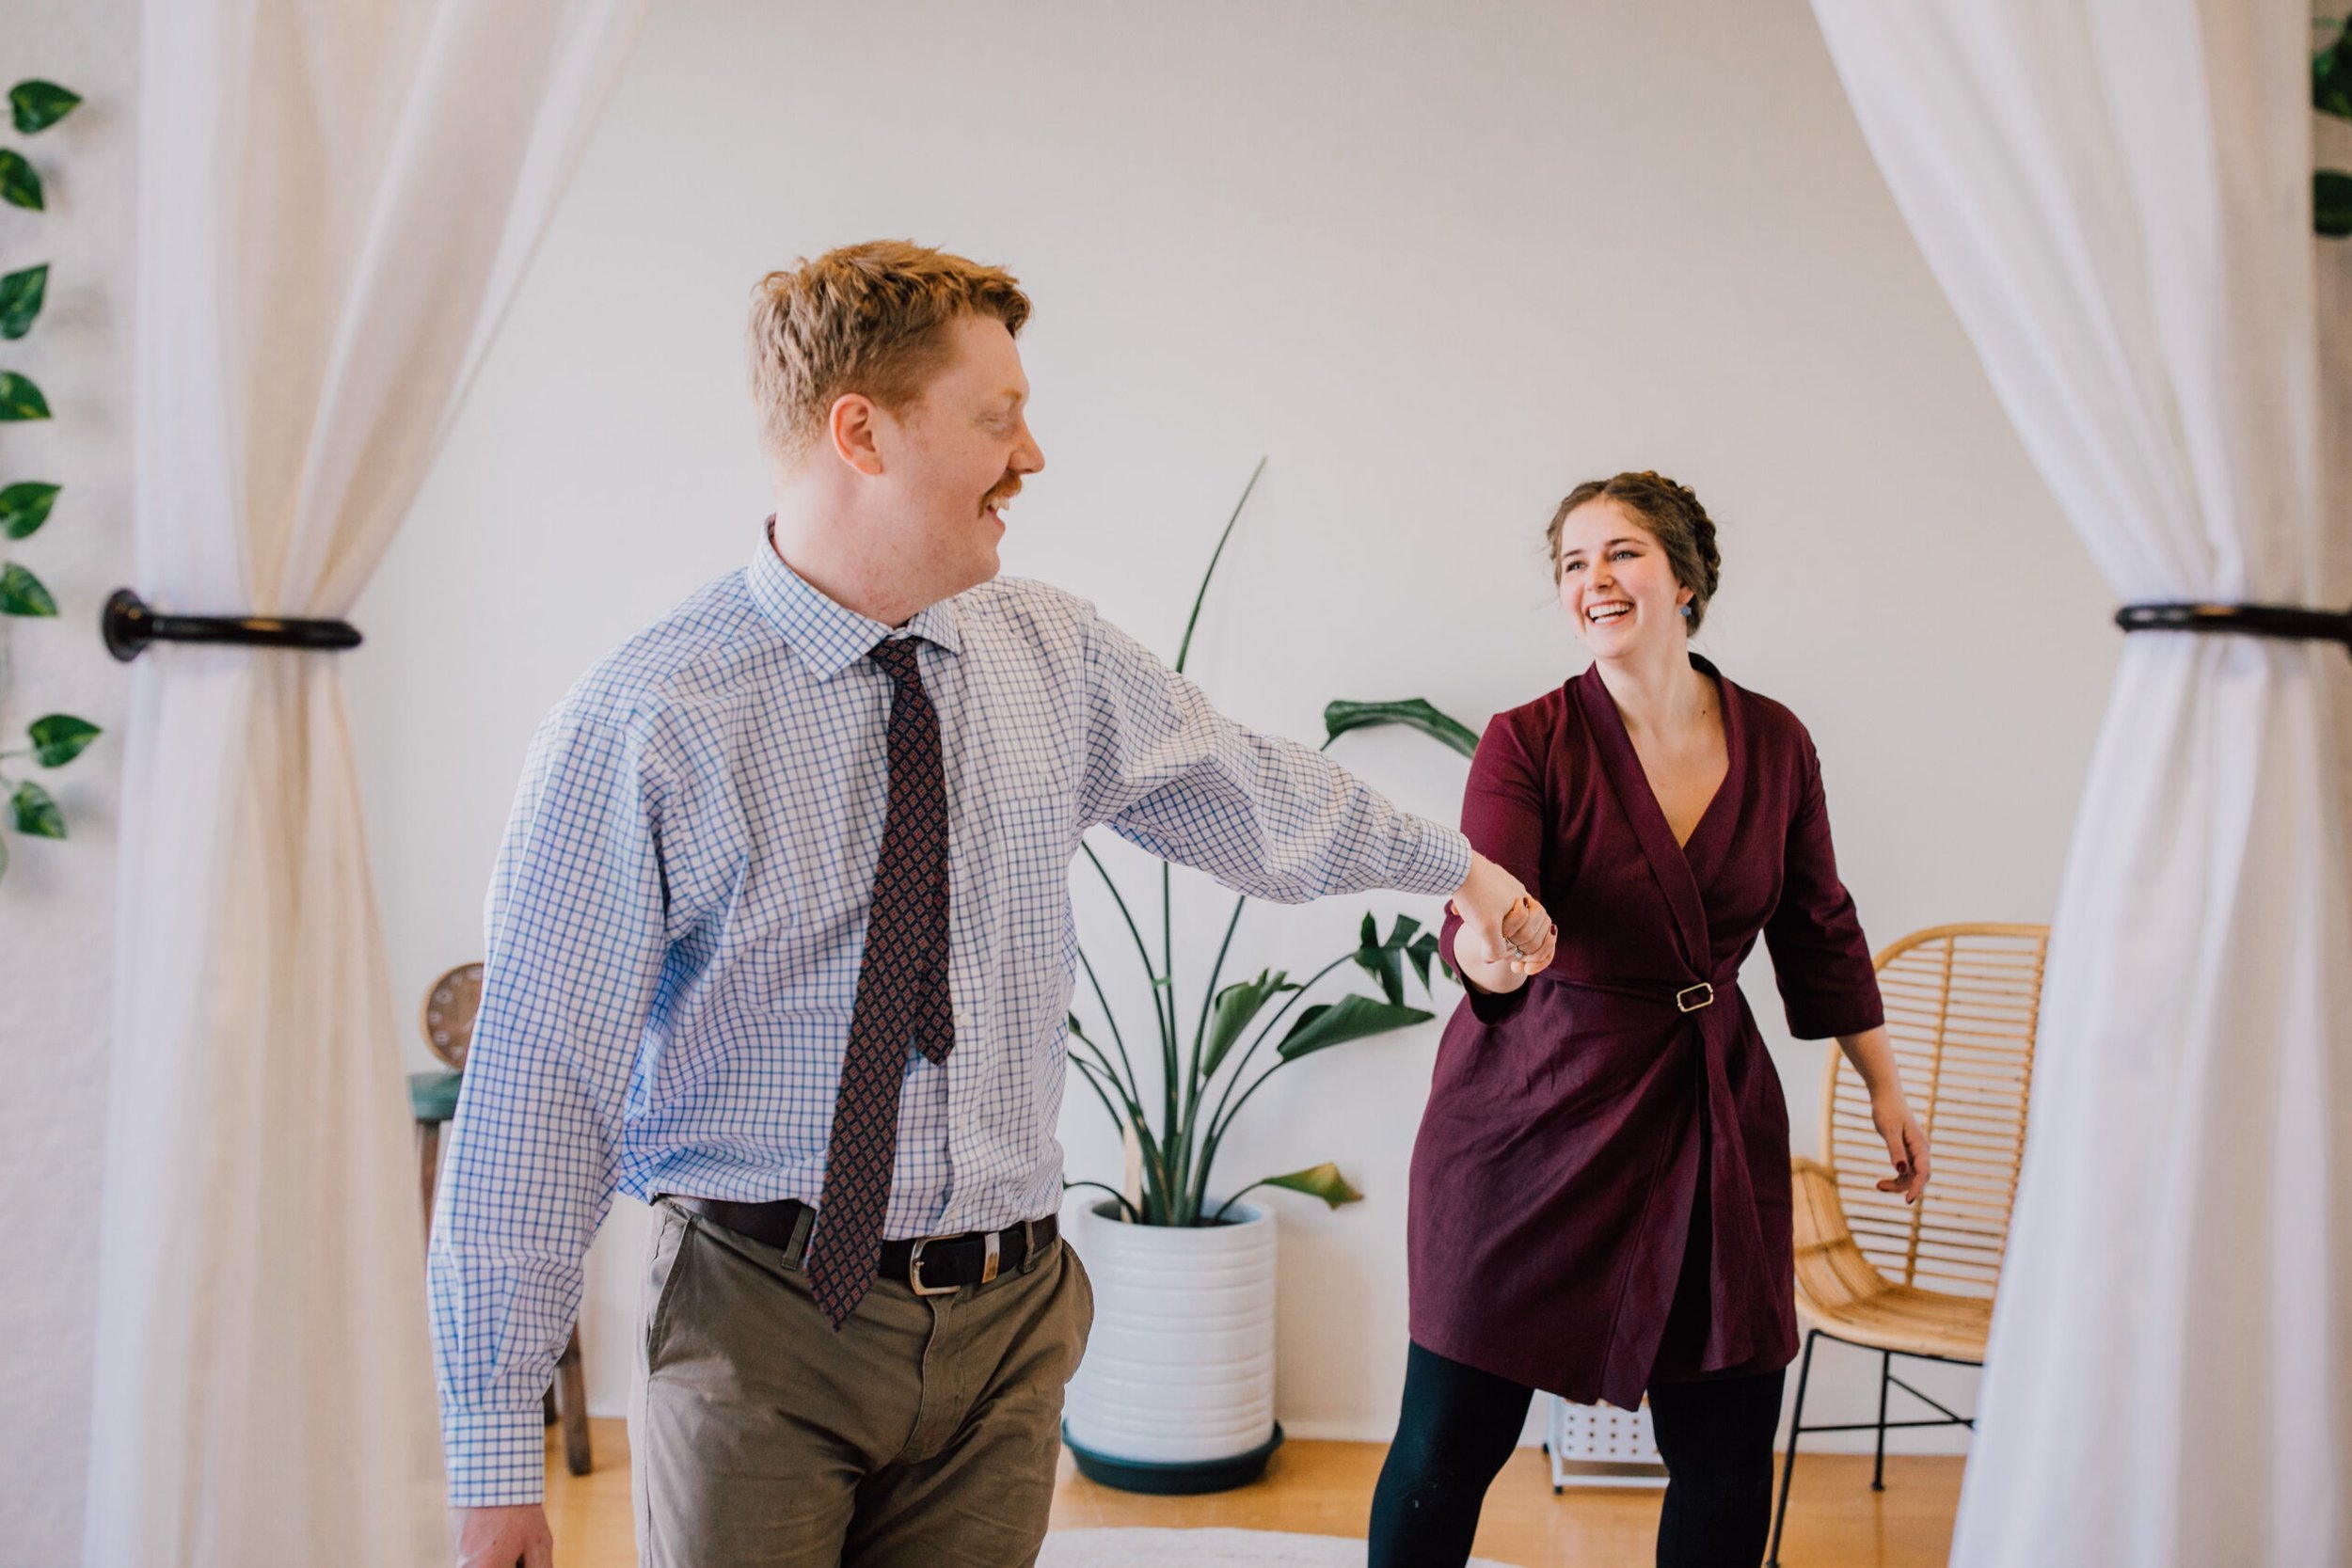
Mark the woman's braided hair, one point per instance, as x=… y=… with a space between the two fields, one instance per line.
x=1670 y=512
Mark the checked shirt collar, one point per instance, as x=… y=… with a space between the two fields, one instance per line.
x=829 y=637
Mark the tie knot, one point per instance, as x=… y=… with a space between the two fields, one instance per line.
x=896 y=654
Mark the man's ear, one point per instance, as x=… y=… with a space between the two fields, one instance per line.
x=851 y=430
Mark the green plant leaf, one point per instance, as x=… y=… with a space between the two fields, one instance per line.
x=1420 y=952
x=21 y=295
x=59 y=738
x=19 y=399
x=19 y=185
x=2332 y=203
x=1383 y=963
x=25 y=507
x=1184 y=649
x=1351 y=1017
x=36 y=105
x=1413 y=713
x=22 y=594
x=2332 y=75
x=1236 y=1005
x=1324 y=1181
x=36 y=815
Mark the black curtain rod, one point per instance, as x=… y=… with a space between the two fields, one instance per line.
x=2289 y=622
x=129 y=626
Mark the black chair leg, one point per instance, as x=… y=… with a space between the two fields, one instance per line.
x=1886 y=1375
x=1788 y=1463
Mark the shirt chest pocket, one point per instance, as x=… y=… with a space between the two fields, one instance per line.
x=1030 y=840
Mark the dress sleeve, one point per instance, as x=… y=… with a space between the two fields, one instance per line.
x=1819 y=956
x=1503 y=813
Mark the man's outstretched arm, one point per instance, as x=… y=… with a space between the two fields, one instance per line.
x=1264 y=815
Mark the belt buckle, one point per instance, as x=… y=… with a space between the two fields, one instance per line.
x=1704 y=991
x=915 y=1271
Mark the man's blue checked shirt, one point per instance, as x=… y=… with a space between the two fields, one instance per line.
x=679 y=910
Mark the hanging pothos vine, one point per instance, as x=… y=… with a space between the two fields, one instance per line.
x=2331 y=94
x=57 y=738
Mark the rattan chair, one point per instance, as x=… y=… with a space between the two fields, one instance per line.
x=1917 y=1280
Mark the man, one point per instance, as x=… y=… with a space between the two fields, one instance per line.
x=780 y=940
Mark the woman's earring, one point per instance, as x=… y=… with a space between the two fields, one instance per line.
x=1686 y=611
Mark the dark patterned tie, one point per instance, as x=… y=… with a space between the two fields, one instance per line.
x=901 y=996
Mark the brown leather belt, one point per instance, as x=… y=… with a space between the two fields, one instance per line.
x=927 y=1265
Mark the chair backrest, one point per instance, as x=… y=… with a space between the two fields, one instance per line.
x=1961 y=1003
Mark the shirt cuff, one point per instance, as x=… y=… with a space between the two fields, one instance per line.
x=1432 y=858
x=496 y=1457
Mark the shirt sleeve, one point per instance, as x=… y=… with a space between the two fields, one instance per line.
x=1820 y=959
x=1503 y=814
x=1263 y=815
x=575 y=946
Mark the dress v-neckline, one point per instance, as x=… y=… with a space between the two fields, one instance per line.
x=1649 y=790
x=1683 y=870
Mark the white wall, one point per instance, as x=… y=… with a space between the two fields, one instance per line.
x=56 y=902
x=1440 y=263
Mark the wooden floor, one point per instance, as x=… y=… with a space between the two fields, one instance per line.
x=1835 y=1519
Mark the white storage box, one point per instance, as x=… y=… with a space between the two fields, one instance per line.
x=1599 y=1444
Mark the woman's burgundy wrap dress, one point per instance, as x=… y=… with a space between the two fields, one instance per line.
x=1600 y=1191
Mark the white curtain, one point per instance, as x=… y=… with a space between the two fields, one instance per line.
x=2116 y=196
x=336 y=202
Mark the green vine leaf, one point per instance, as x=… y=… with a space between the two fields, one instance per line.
x=2332 y=75
x=2332 y=203
x=19 y=399
x=37 y=813
x=19 y=185
x=21 y=295
x=37 y=104
x=59 y=738
x=22 y=594
x=25 y=507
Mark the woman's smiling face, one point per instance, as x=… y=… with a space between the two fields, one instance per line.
x=1616 y=581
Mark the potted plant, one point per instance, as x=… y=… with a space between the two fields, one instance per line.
x=1176 y=1392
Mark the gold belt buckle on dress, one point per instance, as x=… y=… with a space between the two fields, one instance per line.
x=1705 y=993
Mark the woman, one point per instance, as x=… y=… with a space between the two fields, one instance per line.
x=1600 y=1197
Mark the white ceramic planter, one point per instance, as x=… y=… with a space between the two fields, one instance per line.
x=1180 y=1366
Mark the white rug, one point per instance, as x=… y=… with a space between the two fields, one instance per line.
x=1205 y=1548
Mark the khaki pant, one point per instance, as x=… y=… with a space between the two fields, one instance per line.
x=924 y=1433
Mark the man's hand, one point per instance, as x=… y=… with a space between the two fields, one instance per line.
x=1505 y=934
x=502 y=1537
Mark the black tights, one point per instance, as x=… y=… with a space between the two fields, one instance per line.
x=1459 y=1425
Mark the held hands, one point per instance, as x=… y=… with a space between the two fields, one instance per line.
x=1505 y=934
x=502 y=1537
x=1906 y=1144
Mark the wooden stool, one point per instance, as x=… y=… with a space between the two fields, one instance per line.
x=449 y=1005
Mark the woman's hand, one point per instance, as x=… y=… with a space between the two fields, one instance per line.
x=1529 y=936
x=1506 y=935
x=1906 y=1144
